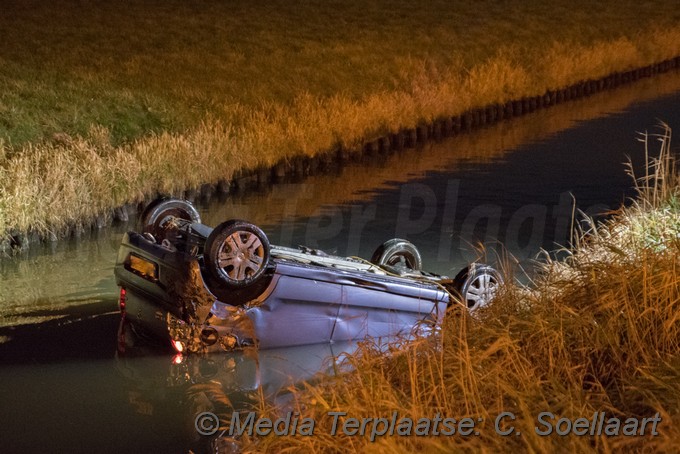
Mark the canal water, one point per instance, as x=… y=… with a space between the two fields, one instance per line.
x=500 y=194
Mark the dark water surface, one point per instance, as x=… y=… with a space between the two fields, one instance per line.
x=508 y=186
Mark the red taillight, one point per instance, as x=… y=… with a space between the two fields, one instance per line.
x=178 y=346
x=121 y=300
x=177 y=359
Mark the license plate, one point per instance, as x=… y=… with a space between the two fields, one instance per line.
x=142 y=267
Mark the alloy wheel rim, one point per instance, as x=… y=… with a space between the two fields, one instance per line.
x=241 y=255
x=481 y=291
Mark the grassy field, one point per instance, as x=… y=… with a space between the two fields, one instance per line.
x=108 y=102
x=599 y=332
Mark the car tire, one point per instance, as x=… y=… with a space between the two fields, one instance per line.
x=477 y=285
x=399 y=254
x=236 y=254
x=158 y=216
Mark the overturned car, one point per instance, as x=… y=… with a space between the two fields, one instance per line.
x=200 y=289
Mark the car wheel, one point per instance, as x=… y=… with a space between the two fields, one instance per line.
x=477 y=285
x=159 y=218
x=399 y=254
x=237 y=254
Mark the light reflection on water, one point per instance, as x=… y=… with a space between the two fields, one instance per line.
x=512 y=182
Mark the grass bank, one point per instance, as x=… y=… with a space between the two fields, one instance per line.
x=599 y=332
x=111 y=102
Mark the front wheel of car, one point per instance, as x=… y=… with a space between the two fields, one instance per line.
x=477 y=285
x=399 y=254
x=237 y=254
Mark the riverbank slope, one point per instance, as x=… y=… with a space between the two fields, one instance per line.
x=105 y=105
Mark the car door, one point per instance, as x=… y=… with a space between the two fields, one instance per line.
x=301 y=309
x=374 y=306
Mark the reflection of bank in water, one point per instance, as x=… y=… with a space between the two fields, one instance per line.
x=170 y=392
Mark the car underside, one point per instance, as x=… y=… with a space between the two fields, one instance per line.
x=199 y=289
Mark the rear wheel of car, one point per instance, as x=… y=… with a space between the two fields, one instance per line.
x=161 y=217
x=236 y=254
x=477 y=285
x=399 y=254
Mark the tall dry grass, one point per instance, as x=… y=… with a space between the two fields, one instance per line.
x=598 y=332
